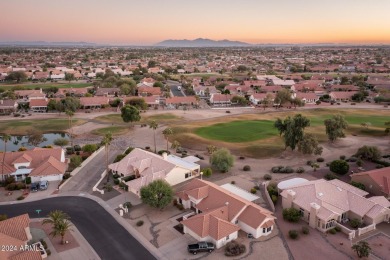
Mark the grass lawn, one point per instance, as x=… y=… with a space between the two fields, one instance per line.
x=238 y=131
x=115 y=130
x=253 y=135
x=46 y=85
x=45 y=126
x=117 y=119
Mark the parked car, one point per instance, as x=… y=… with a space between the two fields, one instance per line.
x=43 y=185
x=201 y=247
x=34 y=186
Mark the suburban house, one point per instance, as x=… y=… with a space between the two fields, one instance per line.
x=27 y=95
x=146 y=167
x=39 y=164
x=149 y=91
x=15 y=234
x=322 y=203
x=342 y=96
x=220 y=213
x=344 y=88
x=221 y=99
x=205 y=91
x=307 y=98
x=107 y=92
x=38 y=105
x=377 y=181
x=8 y=106
x=57 y=75
x=94 y=102
x=258 y=98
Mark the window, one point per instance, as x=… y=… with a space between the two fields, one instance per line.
x=187 y=175
x=269 y=229
x=301 y=211
x=22 y=167
x=264 y=230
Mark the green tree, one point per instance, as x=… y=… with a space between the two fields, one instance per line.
x=154 y=125
x=130 y=114
x=291 y=214
x=239 y=100
x=309 y=145
x=61 y=228
x=34 y=137
x=51 y=105
x=54 y=217
x=158 y=84
x=139 y=103
x=335 y=127
x=167 y=133
x=69 y=77
x=292 y=129
x=371 y=153
x=157 y=194
x=222 y=160
x=89 y=148
x=125 y=89
x=5 y=138
x=362 y=249
x=283 y=97
x=61 y=142
x=339 y=166
x=152 y=64
x=19 y=76
x=75 y=161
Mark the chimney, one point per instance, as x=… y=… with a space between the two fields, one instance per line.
x=314 y=208
x=287 y=203
x=165 y=156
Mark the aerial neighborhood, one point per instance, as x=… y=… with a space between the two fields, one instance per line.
x=272 y=152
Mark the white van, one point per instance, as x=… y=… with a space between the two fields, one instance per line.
x=43 y=185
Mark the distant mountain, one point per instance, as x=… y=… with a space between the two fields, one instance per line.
x=44 y=43
x=200 y=42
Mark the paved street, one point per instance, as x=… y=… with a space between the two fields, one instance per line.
x=107 y=237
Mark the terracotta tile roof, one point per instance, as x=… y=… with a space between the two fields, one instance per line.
x=181 y=100
x=149 y=90
x=7 y=103
x=27 y=255
x=379 y=176
x=254 y=217
x=38 y=102
x=16 y=227
x=42 y=161
x=199 y=193
x=9 y=240
x=94 y=101
x=342 y=94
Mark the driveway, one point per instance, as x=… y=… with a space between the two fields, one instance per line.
x=108 y=238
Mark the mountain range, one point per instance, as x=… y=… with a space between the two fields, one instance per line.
x=201 y=42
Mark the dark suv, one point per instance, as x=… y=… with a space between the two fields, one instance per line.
x=34 y=186
x=200 y=247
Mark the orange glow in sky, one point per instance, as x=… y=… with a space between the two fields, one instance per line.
x=150 y=21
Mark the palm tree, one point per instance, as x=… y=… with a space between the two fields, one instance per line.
x=5 y=139
x=70 y=114
x=54 y=217
x=153 y=124
x=61 y=228
x=167 y=132
x=175 y=144
x=106 y=142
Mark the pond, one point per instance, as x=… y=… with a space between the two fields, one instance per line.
x=18 y=141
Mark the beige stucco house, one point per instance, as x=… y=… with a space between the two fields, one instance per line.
x=323 y=203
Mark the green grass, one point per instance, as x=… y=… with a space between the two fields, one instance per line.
x=46 y=85
x=117 y=119
x=115 y=130
x=45 y=126
x=239 y=131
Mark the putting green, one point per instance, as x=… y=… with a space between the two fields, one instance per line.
x=239 y=131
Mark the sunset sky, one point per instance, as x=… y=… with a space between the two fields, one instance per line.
x=145 y=22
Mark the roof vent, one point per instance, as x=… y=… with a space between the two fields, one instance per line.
x=320 y=194
x=339 y=189
x=227 y=203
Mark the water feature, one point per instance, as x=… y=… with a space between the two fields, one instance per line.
x=18 y=141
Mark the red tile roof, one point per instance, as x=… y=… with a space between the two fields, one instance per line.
x=38 y=103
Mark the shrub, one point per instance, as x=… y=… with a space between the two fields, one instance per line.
x=332 y=231
x=355 y=223
x=9 y=180
x=140 y=223
x=274 y=199
x=20 y=198
x=128 y=178
x=228 y=111
x=11 y=186
x=20 y=186
x=147 y=148
x=253 y=191
x=77 y=148
x=116 y=176
x=275 y=169
x=246 y=168
x=309 y=163
x=123 y=186
x=43 y=242
x=267 y=177
x=359 y=163
x=291 y=215
x=330 y=176
x=128 y=150
x=108 y=187
x=369 y=153
x=180 y=206
x=358 y=185
x=28 y=180
x=207 y=172
x=127 y=204
x=116 y=181
x=339 y=166
x=241 y=157
x=233 y=182
x=48 y=252
x=352 y=159
x=305 y=230
x=21 y=149
x=342 y=157
x=222 y=160
x=293 y=234
x=66 y=176
x=75 y=161
x=320 y=159
x=337 y=228
x=384 y=163
x=379 y=166
x=286 y=169
x=89 y=148
x=233 y=248
x=300 y=170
